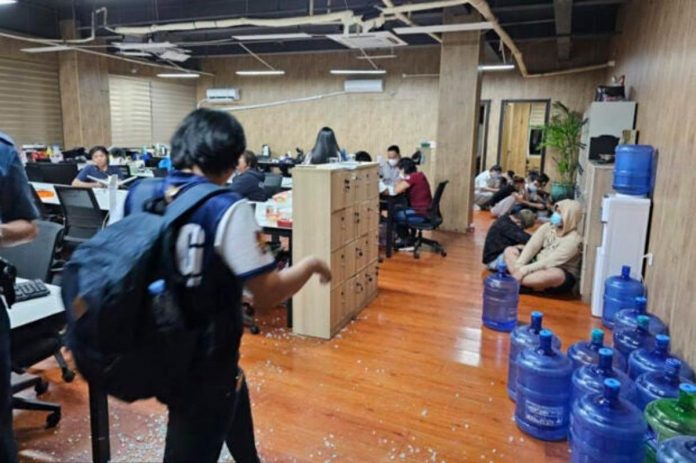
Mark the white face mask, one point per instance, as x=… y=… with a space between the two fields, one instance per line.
x=393 y=162
x=403 y=176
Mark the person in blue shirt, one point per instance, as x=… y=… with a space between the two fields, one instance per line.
x=248 y=182
x=99 y=168
x=17 y=215
x=219 y=251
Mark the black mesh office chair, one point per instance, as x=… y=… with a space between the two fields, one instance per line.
x=83 y=217
x=432 y=222
x=39 y=341
x=272 y=184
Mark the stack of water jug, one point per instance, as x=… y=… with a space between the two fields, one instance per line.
x=631 y=403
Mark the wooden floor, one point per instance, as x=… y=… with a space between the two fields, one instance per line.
x=416 y=378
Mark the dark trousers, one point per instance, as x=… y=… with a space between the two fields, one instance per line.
x=8 y=448
x=204 y=416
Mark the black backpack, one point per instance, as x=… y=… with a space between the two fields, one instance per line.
x=131 y=346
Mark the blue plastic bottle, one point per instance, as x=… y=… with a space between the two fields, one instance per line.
x=633 y=169
x=656 y=385
x=620 y=292
x=589 y=379
x=629 y=339
x=501 y=294
x=521 y=338
x=680 y=449
x=587 y=352
x=628 y=318
x=604 y=428
x=654 y=358
x=543 y=390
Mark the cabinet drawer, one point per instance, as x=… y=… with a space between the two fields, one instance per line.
x=360 y=292
x=371 y=274
x=373 y=245
x=361 y=250
x=338 y=267
x=372 y=212
x=341 y=190
x=359 y=186
x=338 y=229
x=339 y=306
x=362 y=218
x=350 y=298
x=371 y=184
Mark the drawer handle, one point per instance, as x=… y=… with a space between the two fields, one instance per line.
x=359 y=252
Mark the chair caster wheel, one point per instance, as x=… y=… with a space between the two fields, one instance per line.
x=443 y=253
x=52 y=420
x=254 y=329
x=41 y=387
x=416 y=255
x=68 y=376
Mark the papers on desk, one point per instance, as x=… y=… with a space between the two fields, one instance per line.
x=384 y=188
x=276 y=212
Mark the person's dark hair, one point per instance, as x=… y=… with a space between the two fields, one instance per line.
x=363 y=156
x=395 y=148
x=250 y=159
x=518 y=180
x=117 y=152
x=533 y=175
x=96 y=149
x=407 y=165
x=502 y=181
x=211 y=140
x=496 y=168
x=325 y=147
x=543 y=179
x=511 y=173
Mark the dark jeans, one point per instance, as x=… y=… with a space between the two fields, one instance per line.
x=205 y=415
x=8 y=449
x=403 y=218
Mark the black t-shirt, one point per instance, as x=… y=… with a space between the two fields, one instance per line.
x=501 y=194
x=249 y=185
x=503 y=233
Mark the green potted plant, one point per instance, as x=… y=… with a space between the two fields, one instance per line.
x=562 y=136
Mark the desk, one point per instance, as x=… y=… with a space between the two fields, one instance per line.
x=47 y=193
x=388 y=203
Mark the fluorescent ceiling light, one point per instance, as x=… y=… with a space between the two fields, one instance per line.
x=480 y=26
x=496 y=67
x=370 y=57
x=344 y=72
x=7 y=2
x=143 y=46
x=45 y=49
x=135 y=53
x=268 y=72
x=295 y=35
x=179 y=75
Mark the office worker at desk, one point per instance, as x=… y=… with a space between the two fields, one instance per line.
x=218 y=252
x=17 y=213
x=248 y=181
x=325 y=148
x=388 y=168
x=415 y=186
x=99 y=169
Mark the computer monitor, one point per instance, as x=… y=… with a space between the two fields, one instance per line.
x=58 y=174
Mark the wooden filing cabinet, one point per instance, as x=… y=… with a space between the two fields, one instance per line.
x=335 y=218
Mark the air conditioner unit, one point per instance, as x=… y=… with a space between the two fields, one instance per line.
x=368 y=40
x=222 y=95
x=363 y=86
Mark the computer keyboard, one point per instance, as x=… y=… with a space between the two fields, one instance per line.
x=31 y=289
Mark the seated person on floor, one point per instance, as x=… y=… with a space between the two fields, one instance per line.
x=415 y=185
x=98 y=169
x=505 y=232
x=485 y=184
x=551 y=258
x=536 y=184
x=248 y=181
x=506 y=189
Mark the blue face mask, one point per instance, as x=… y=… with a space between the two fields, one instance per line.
x=556 y=219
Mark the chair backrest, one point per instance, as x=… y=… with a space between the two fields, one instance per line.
x=35 y=259
x=434 y=215
x=83 y=217
x=159 y=173
x=124 y=170
x=272 y=184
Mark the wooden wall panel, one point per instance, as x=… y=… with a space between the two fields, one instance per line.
x=656 y=52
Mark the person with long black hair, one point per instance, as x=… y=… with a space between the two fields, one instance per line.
x=325 y=148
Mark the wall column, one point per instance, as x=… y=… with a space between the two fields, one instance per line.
x=84 y=88
x=457 y=122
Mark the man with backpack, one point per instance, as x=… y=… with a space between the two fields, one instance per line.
x=17 y=213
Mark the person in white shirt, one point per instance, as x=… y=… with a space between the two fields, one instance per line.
x=388 y=170
x=485 y=184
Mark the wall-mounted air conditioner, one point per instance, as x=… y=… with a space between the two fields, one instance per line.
x=364 y=86
x=222 y=95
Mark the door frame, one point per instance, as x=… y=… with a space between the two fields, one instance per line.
x=503 y=107
x=487 y=103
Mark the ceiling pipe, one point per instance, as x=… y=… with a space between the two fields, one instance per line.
x=406 y=20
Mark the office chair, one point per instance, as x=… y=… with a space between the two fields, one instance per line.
x=83 y=217
x=272 y=184
x=432 y=222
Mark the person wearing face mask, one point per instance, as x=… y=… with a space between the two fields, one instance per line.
x=485 y=184
x=416 y=187
x=388 y=170
x=550 y=261
x=248 y=181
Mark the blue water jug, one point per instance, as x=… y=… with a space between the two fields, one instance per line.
x=604 y=428
x=629 y=339
x=587 y=352
x=589 y=379
x=521 y=338
x=654 y=358
x=620 y=292
x=543 y=390
x=501 y=294
x=628 y=318
x=680 y=449
x=663 y=384
x=633 y=169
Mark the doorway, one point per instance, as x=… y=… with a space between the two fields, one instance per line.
x=482 y=134
x=520 y=135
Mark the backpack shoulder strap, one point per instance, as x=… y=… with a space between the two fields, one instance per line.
x=190 y=199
